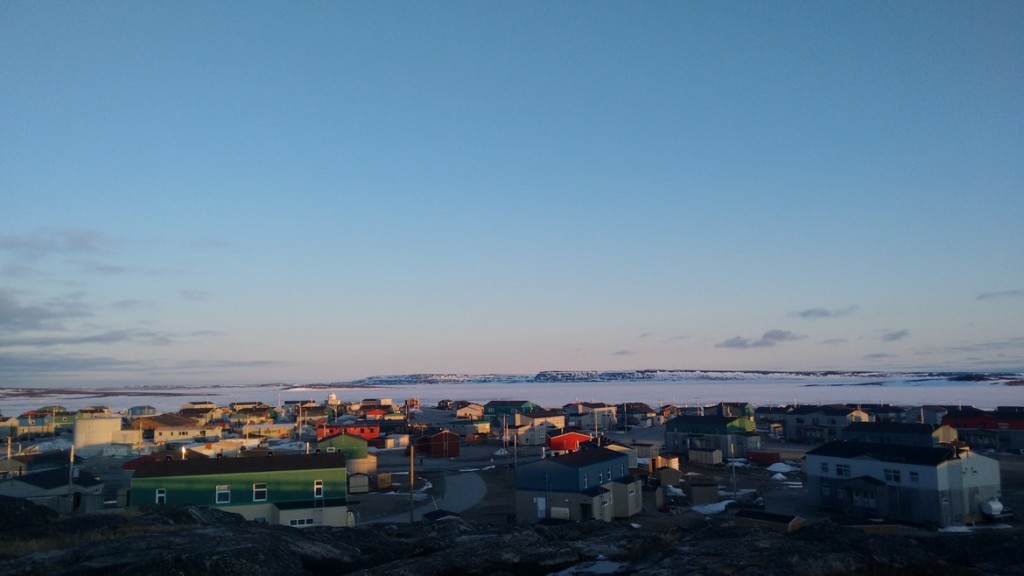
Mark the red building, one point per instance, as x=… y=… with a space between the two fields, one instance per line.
x=444 y=444
x=363 y=429
x=568 y=442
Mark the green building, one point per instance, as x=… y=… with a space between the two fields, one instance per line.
x=303 y=490
x=352 y=447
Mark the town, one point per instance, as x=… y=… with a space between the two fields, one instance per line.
x=345 y=463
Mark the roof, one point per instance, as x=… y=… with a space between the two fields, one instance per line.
x=709 y=420
x=50 y=479
x=924 y=456
x=587 y=457
x=892 y=427
x=828 y=410
x=169 y=420
x=45 y=459
x=211 y=466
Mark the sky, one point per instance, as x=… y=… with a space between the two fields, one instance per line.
x=244 y=192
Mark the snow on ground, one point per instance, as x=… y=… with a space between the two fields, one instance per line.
x=782 y=467
x=709 y=509
x=51 y=445
x=779 y=476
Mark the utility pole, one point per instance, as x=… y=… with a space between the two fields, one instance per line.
x=412 y=481
x=71 y=481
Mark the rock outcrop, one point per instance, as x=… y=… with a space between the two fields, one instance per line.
x=198 y=542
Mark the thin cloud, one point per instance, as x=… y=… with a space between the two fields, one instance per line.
x=769 y=339
x=77 y=241
x=15 y=317
x=817 y=313
x=895 y=335
x=878 y=356
x=674 y=338
x=110 y=337
x=624 y=353
x=1003 y=294
x=647 y=334
x=194 y=295
x=834 y=341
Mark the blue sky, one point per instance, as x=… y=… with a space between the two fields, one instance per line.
x=199 y=192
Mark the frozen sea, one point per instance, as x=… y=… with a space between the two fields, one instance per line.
x=701 y=388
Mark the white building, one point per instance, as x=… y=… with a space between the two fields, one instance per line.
x=941 y=486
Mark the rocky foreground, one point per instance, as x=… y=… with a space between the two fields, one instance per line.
x=197 y=542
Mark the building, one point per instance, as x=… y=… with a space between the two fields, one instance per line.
x=470 y=412
x=733 y=436
x=1001 y=430
x=590 y=484
x=94 y=436
x=567 y=442
x=353 y=447
x=496 y=409
x=940 y=485
x=901 y=433
x=820 y=424
x=300 y=491
x=590 y=415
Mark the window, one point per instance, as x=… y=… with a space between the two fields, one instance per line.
x=161 y=496
x=824 y=467
x=843 y=470
x=259 y=492
x=301 y=522
x=223 y=494
x=331 y=449
x=892 y=476
x=600 y=477
x=826 y=490
x=914 y=477
x=318 y=489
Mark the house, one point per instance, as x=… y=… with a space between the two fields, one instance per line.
x=469 y=427
x=51 y=487
x=198 y=404
x=363 y=429
x=353 y=447
x=147 y=424
x=496 y=409
x=567 y=442
x=732 y=435
x=590 y=484
x=887 y=412
x=443 y=444
x=470 y=412
x=902 y=433
x=8 y=427
x=590 y=415
x=820 y=424
x=548 y=418
x=300 y=491
x=252 y=415
x=771 y=419
x=940 y=485
x=1001 y=429
x=140 y=411
x=192 y=433
x=638 y=414
x=734 y=409
x=535 y=435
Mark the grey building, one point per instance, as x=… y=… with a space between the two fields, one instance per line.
x=940 y=486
